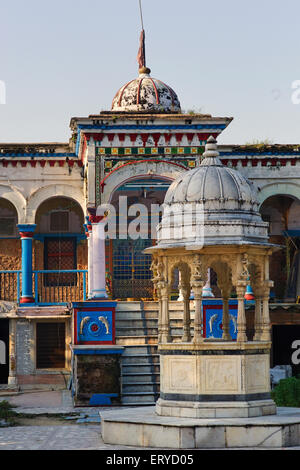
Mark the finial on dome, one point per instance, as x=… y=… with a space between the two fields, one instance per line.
x=211 y=154
x=145 y=70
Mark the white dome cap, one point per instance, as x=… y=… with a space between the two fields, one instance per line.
x=146 y=94
x=211 y=205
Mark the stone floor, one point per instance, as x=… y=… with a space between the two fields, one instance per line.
x=82 y=432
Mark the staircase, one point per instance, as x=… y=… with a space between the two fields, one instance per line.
x=137 y=330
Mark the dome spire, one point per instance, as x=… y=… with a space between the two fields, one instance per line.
x=211 y=154
x=141 y=57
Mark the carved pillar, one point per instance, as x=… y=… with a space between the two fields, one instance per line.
x=241 y=318
x=186 y=292
x=258 y=319
x=165 y=323
x=265 y=324
x=225 y=320
x=197 y=287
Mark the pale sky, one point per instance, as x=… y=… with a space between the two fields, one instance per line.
x=64 y=58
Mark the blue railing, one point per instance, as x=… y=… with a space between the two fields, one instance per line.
x=56 y=287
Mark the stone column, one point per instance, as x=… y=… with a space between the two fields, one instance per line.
x=265 y=326
x=186 y=292
x=26 y=232
x=197 y=287
x=241 y=318
x=225 y=320
x=98 y=267
x=165 y=323
x=12 y=379
x=257 y=317
x=89 y=235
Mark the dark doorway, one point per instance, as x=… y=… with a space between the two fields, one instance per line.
x=282 y=351
x=4 y=348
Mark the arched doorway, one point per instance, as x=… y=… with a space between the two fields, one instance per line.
x=283 y=214
x=137 y=203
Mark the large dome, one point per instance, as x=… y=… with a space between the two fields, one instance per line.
x=146 y=94
x=211 y=205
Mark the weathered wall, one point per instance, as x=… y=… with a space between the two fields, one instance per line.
x=10 y=254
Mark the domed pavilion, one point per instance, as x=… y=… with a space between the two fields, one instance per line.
x=211 y=220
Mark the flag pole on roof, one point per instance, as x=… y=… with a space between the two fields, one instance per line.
x=141 y=57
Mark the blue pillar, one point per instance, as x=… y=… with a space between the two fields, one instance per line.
x=26 y=232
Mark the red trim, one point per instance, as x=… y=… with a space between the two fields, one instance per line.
x=26 y=300
x=26 y=234
x=156 y=138
x=121 y=137
x=122 y=91
x=209 y=307
x=156 y=92
x=144 y=138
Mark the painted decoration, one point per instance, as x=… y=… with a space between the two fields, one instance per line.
x=95 y=325
x=212 y=318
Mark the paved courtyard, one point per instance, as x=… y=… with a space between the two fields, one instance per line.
x=81 y=432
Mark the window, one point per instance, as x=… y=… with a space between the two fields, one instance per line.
x=50 y=345
x=7 y=226
x=59 y=221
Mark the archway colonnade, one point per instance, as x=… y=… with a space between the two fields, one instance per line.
x=234 y=266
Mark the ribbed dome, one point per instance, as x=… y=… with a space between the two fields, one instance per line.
x=146 y=94
x=214 y=185
x=211 y=205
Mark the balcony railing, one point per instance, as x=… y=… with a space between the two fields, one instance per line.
x=49 y=287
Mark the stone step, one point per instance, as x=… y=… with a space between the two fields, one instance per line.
x=139 y=349
x=139 y=377
x=139 y=398
x=144 y=387
x=145 y=359
x=136 y=323
x=139 y=368
x=127 y=331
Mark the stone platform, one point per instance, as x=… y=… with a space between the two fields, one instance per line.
x=143 y=427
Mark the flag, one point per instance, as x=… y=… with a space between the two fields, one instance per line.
x=141 y=54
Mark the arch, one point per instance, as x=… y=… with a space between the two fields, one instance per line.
x=55 y=190
x=16 y=198
x=140 y=169
x=279 y=188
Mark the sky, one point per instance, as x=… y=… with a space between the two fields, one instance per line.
x=65 y=58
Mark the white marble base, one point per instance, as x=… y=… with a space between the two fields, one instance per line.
x=230 y=409
x=142 y=427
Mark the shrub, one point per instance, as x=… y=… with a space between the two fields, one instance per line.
x=6 y=413
x=287 y=392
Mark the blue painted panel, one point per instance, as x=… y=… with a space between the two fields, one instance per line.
x=95 y=326
x=213 y=319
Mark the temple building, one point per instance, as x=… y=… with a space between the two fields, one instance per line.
x=125 y=159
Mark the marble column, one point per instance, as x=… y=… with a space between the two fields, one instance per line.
x=89 y=235
x=26 y=232
x=165 y=324
x=241 y=318
x=98 y=267
x=198 y=319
